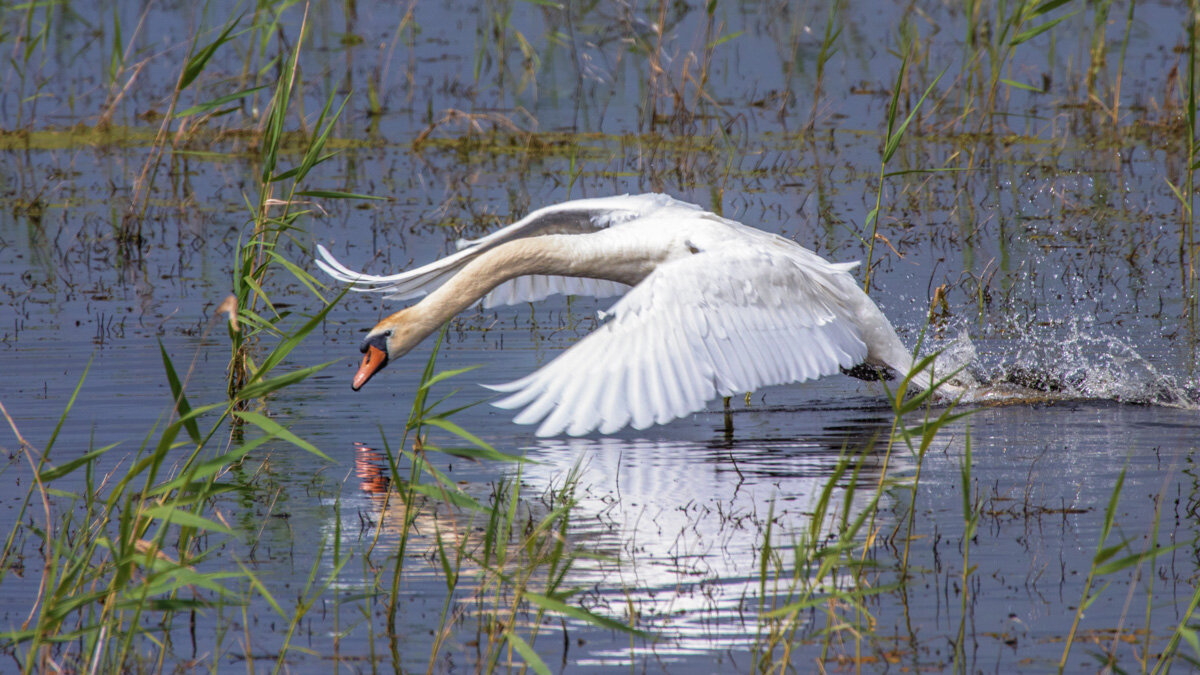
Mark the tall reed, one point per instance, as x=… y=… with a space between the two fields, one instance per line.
x=518 y=560
x=895 y=132
x=997 y=36
x=1106 y=562
x=198 y=57
x=275 y=215
x=832 y=566
x=124 y=556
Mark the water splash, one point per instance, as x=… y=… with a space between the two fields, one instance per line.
x=1044 y=366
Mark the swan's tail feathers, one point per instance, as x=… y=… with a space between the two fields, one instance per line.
x=944 y=373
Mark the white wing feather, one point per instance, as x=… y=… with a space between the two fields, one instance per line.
x=745 y=309
x=540 y=286
x=578 y=216
x=689 y=333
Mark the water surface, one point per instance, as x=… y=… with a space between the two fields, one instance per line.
x=1060 y=244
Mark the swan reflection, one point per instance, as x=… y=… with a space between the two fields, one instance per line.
x=674 y=530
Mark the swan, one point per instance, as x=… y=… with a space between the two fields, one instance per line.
x=711 y=307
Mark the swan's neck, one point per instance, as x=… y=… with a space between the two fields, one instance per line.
x=588 y=256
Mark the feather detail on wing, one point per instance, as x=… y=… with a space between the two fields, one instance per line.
x=689 y=333
x=574 y=217
x=534 y=287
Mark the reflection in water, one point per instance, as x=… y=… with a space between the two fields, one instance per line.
x=1050 y=222
x=370 y=467
x=676 y=528
x=688 y=521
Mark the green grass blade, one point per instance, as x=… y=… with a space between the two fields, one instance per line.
x=217 y=103
x=253 y=284
x=1134 y=559
x=893 y=141
x=262 y=590
x=452 y=496
x=725 y=38
x=273 y=428
x=66 y=468
x=1026 y=36
x=211 y=467
x=302 y=276
x=284 y=348
x=336 y=194
x=531 y=658
x=453 y=428
x=479 y=454
x=260 y=389
x=557 y=606
x=1020 y=85
x=177 y=395
x=312 y=155
x=446 y=374
x=62 y=419
x=1047 y=7
x=169 y=513
x=196 y=64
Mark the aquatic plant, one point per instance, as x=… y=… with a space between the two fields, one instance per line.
x=891 y=142
x=121 y=558
x=997 y=36
x=194 y=64
x=1055 y=129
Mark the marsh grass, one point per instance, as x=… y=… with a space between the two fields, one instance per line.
x=126 y=556
x=503 y=561
x=895 y=132
x=993 y=38
x=131 y=556
x=1188 y=240
x=1185 y=187
x=197 y=58
x=280 y=205
x=33 y=39
x=816 y=593
x=828 y=49
x=680 y=80
x=496 y=36
x=834 y=564
x=1105 y=563
x=821 y=570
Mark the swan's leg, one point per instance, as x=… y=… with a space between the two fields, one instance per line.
x=869 y=373
x=728 y=419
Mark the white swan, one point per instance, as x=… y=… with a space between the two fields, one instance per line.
x=713 y=308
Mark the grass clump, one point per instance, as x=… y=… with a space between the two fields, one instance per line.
x=124 y=554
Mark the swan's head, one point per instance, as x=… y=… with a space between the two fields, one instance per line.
x=390 y=339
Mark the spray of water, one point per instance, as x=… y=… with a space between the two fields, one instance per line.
x=1072 y=363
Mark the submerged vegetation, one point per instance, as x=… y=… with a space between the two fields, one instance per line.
x=214 y=137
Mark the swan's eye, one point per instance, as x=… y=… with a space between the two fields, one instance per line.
x=387 y=333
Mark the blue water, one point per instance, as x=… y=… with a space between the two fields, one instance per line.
x=1058 y=241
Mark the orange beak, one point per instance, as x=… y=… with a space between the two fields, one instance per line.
x=374 y=361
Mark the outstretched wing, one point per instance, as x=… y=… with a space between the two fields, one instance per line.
x=719 y=322
x=580 y=216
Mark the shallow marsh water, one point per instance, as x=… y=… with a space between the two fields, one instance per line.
x=1064 y=254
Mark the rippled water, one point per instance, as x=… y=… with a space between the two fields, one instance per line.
x=1057 y=238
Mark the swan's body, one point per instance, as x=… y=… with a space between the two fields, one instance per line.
x=713 y=308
